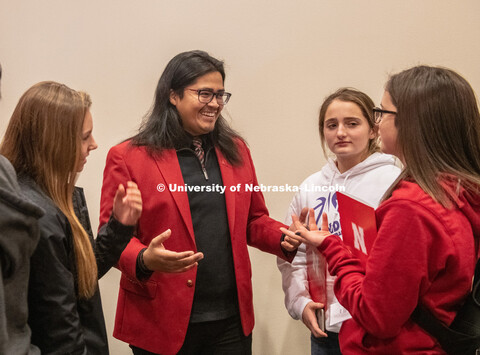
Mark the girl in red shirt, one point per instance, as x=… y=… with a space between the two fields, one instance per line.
x=428 y=223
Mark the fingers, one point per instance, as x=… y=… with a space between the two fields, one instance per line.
x=119 y=194
x=309 y=318
x=317 y=305
x=292 y=235
x=297 y=224
x=317 y=332
x=180 y=256
x=132 y=187
x=290 y=244
x=127 y=204
x=157 y=258
x=303 y=215
x=181 y=264
x=299 y=221
x=159 y=239
x=186 y=268
x=317 y=319
x=312 y=225
x=120 y=191
x=289 y=233
x=132 y=194
x=172 y=262
x=294 y=218
x=324 y=222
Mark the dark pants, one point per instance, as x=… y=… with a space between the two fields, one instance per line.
x=325 y=346
x=222 y=337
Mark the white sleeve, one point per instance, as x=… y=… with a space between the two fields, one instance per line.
x=294 y=274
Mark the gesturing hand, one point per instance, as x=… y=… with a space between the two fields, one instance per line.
x=313 y=236
x=157 y=258
x=290 y=244
x=127 y=204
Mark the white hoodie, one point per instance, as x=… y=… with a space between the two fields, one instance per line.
x=366 y=181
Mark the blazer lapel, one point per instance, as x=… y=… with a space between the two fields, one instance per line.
x=228 y=180
x=169 y=168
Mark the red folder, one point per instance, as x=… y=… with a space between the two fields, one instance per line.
x=359 y=227
x=316 y=275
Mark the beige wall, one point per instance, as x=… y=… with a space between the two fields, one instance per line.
x=282 y=57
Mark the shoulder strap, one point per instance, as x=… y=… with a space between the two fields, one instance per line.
x=424 y=318
x=452 y=341
x=463 y=337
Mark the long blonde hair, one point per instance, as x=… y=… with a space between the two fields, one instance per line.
x=43 y=141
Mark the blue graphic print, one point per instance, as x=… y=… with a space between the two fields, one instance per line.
x=325 y=204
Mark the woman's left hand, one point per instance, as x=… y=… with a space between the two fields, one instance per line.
x=127 y=204
x=313 y=236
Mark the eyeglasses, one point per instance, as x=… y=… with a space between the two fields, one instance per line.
x=206 y=96
x=378 y=113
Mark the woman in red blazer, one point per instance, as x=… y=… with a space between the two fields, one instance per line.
x=189 y=291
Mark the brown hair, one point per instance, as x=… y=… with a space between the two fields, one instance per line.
x=42 y=141
x=363 y=101
x=438 y=125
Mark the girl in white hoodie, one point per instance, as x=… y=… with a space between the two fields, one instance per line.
x=347 y=128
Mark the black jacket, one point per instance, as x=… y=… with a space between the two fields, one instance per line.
x=19 y=236
x=62 y=323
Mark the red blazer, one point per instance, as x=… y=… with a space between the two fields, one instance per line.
x=154 y=314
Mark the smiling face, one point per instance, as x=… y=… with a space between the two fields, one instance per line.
x=347 y=133
x=87 y=141
x=387 y=129
x=199 y=118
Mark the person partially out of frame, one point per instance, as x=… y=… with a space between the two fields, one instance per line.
x=19 y=236
x=428 y=222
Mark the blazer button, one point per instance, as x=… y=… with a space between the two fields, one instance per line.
x=189 y=283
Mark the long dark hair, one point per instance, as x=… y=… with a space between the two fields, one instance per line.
x=438 y=125
x=162 y=126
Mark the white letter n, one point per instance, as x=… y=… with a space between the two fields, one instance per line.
x=359 y=241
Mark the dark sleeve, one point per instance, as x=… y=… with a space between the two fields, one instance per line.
x=53 y=314
x=112 y=237
x=111 y=240
x=141 y=270
x=18 y=237
x=18 y=223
